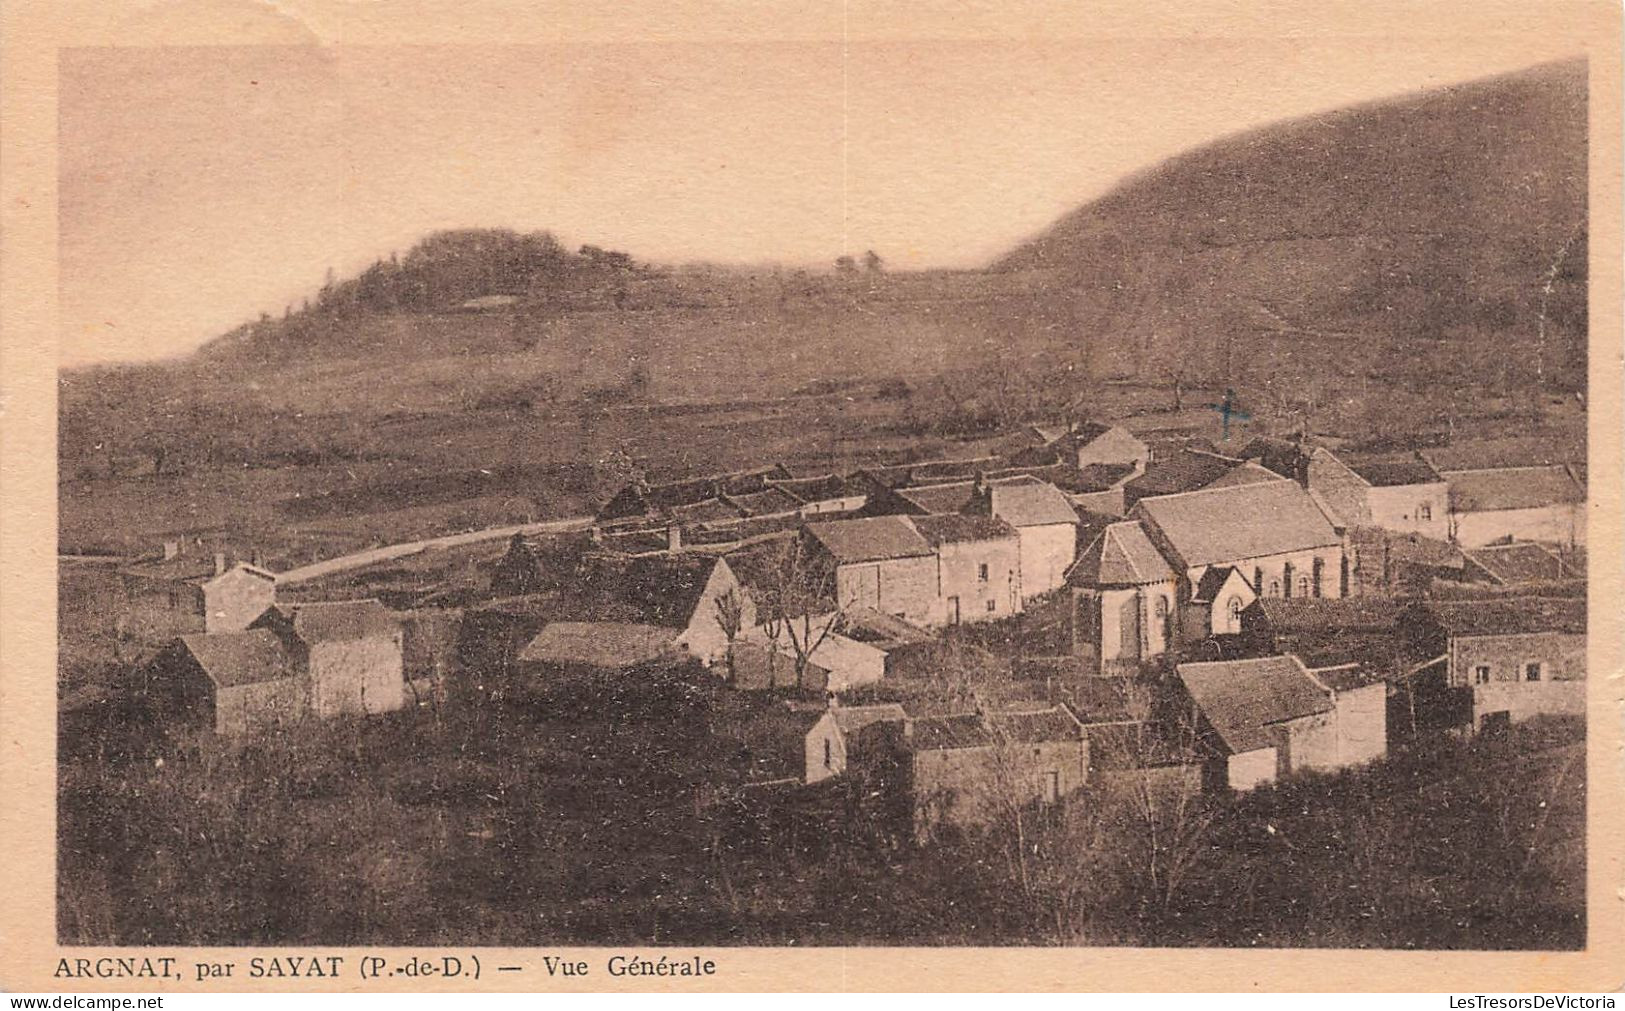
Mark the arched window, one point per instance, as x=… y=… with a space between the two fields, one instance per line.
x=1426 y=512
x=1233 y=608
x=1160 y=626
x=1275 y=587
x=1303 y=586
x=1286 y=578
x=1320 y=575
x=1258 y=581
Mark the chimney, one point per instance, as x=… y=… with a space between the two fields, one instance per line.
x=219 y=562
x=171 y=549
x=674 y=538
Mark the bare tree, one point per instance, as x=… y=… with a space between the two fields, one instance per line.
x=799 y=604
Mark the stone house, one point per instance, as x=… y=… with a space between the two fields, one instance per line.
x=184 y=593
x=833 y=739
x=234 y=683
x=685 y=593
x=1265 y=718
x=971 y=769
x=1216 y=604
x=979 y=574
x=1124 y=595
x=881 y=563
x=1045 y=523
x=322 y=659
x=1405 y=496
x=1513 y=657
x=1084 y=444
x=351 y=652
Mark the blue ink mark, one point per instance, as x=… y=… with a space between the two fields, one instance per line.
x=1229 y=410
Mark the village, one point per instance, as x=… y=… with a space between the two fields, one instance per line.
x=1075 y=606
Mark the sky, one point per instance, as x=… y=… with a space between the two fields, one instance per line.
x=201 y=186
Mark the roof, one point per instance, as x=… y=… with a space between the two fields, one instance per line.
x=1406 y=549
x=241 y=658
x=1244 y=473
x=711 y=510
x=869 y=539
x=1513 y=616
x=341 y=620
x=822 y=487
x=767 y=501
x=608 y=644
x=1212 y=582
x=940 y=498
x=854 y=718
x=1324 y=614
x=1121 y=556
x=957 y=528
x=1521 y=562
x=1185 y=470
x=1515 y=451
x=660 y=590
x=1029 y=502
x=1392 y=473
x=973 y=730
x=1250 y=521
x=1242 y=699
x=1513 y=488
x=1347 y=676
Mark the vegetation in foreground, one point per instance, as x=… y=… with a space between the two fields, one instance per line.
x=612 y=812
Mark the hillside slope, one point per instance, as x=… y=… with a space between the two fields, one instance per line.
x=1387 y=227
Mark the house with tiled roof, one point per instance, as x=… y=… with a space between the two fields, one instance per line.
x=324 y=659
x=1513 y=657
x=881 y=563
x=233 y=683
x=969 y=769
x=192 y=591
x=1269 y=717
x=675 y=591
x=1403 y=495
x=1124 y=594
x=1272 y=531
x=1182 y=470
x=1046 y=522
x=352 y=653
x=979 y=570
x=1535 y=503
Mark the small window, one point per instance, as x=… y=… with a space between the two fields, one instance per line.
x=1275 y=587
x=1234 y=609
x=1162 y=607
x=1258 y=581
x=992 y=606
x=1481 y=674
x=1303 y=586
x=1531 y=671
x=1425 y=512
x=981 y=572
x=829 y=760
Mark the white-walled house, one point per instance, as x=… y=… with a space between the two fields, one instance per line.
x=1543 y=503
x=1268 y=717
x=1405 y=496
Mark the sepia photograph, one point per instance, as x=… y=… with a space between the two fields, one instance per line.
x=860 y=492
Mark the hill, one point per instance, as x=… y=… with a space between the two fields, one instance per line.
x=1426 y=227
